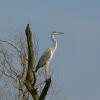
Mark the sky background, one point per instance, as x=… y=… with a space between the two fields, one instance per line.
x=76 y=64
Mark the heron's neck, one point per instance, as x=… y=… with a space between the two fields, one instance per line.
x=54 y=41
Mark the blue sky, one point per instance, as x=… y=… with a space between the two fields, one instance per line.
x=76 y=64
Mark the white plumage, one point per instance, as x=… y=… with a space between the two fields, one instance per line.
x=46 y=57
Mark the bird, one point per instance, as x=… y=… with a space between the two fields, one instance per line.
x=47 y=56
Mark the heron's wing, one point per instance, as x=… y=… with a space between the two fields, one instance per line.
x=44 y=58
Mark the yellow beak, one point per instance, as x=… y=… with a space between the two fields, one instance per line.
x=57 y=33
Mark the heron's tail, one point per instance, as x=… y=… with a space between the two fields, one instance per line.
x=37 y=67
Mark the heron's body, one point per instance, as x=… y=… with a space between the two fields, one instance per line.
x=45 y=59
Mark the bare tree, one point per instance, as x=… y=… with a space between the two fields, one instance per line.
x=19 y=67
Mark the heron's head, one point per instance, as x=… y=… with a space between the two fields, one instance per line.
x=57 y=33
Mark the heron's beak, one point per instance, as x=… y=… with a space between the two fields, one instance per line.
x=58 y=33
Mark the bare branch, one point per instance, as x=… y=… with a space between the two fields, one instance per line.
x=9 y=68
x=10 y=44
x=31 y=78
x=45 y=89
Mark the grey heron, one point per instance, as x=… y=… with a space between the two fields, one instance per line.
x=45 y=59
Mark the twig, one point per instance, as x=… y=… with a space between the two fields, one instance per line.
x=10 y=44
